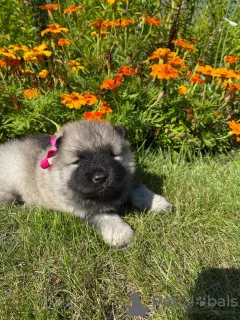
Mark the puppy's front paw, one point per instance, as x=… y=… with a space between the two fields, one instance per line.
x=118 y=234
x=161 y=204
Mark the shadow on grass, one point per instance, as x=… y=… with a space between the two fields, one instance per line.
x=216 y=295
x=152 y=181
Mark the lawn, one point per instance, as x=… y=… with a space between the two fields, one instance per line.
x=53 y=266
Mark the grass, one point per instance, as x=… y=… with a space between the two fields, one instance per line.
x=53 y=266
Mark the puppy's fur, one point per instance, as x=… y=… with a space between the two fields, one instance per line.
x=92 y=174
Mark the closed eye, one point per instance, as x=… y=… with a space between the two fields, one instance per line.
x=80 y=158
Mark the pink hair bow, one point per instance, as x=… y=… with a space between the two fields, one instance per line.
x=44 y=164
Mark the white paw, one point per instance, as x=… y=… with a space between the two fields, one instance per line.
x=160 y=204
x=117 y=234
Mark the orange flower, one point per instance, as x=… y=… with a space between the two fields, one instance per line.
x=49 y=7
x=31 y=93
x=36 y=52
x=2 y=64
x=125 y=22
x=234 y=87
x=73 y=100
x=97 y=23
x=182 y=90
x=223 y=73
x=153 y=21
x=231 y=59
x=18 y=47
x=94 y=115
x=126 y=70
x=163 y=71
x=195 y=78
x=15 y=63
x=235 y=127
x=180 y=43
x=43 y=74
x=116 y=23
x=207 y=70
x=105 y=108
x=112 y=84
x=75 y=66
x=73 y=8
x=63 y=41
x=25 y=71
x=7 y=53
x=54 y=28
x=160 y=53
x=176 y=62
x=90 y=98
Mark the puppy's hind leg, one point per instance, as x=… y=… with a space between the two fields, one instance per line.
x=7 y=198
x=143 y=198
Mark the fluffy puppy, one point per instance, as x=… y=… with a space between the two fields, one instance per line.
x=92 y=173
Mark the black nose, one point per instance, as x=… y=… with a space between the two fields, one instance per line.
x=99 y=177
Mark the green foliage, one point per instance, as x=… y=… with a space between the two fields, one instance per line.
x=152 y=109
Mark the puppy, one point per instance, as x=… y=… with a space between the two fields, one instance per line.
x=87 y=168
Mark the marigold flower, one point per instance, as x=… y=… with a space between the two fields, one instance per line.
x=105 y=108
x=126 y=70
x=182 y=90
x=116 y=23
x=90 y=98
x=73 y=8
x=14 y=62
x=180 y=43
x=231 y=59
x=54 y=28
x=18 y=47
x=49 y=7
x=176 y=62
x=73 y=100
x=112 y=84
x=97 y=23
x=223 y=73
x=196 y=78
x=31 y=93
x=39 y=50
x=7 y=53
x=163 y=71
x=160 y=53
x=25 y=71
x=126 y=22
x=3 y=64
x=234 y=87
x=63 y=41
x=153 y=21
x=207 y=70
x=94 y=115
x=75 y=66
x=235 y=126
x=43 y=74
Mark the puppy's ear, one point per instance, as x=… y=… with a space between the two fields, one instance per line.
x=59 y=137
x=121 y=130
x=59 y=141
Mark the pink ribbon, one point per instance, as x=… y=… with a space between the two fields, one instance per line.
x=44 y=164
